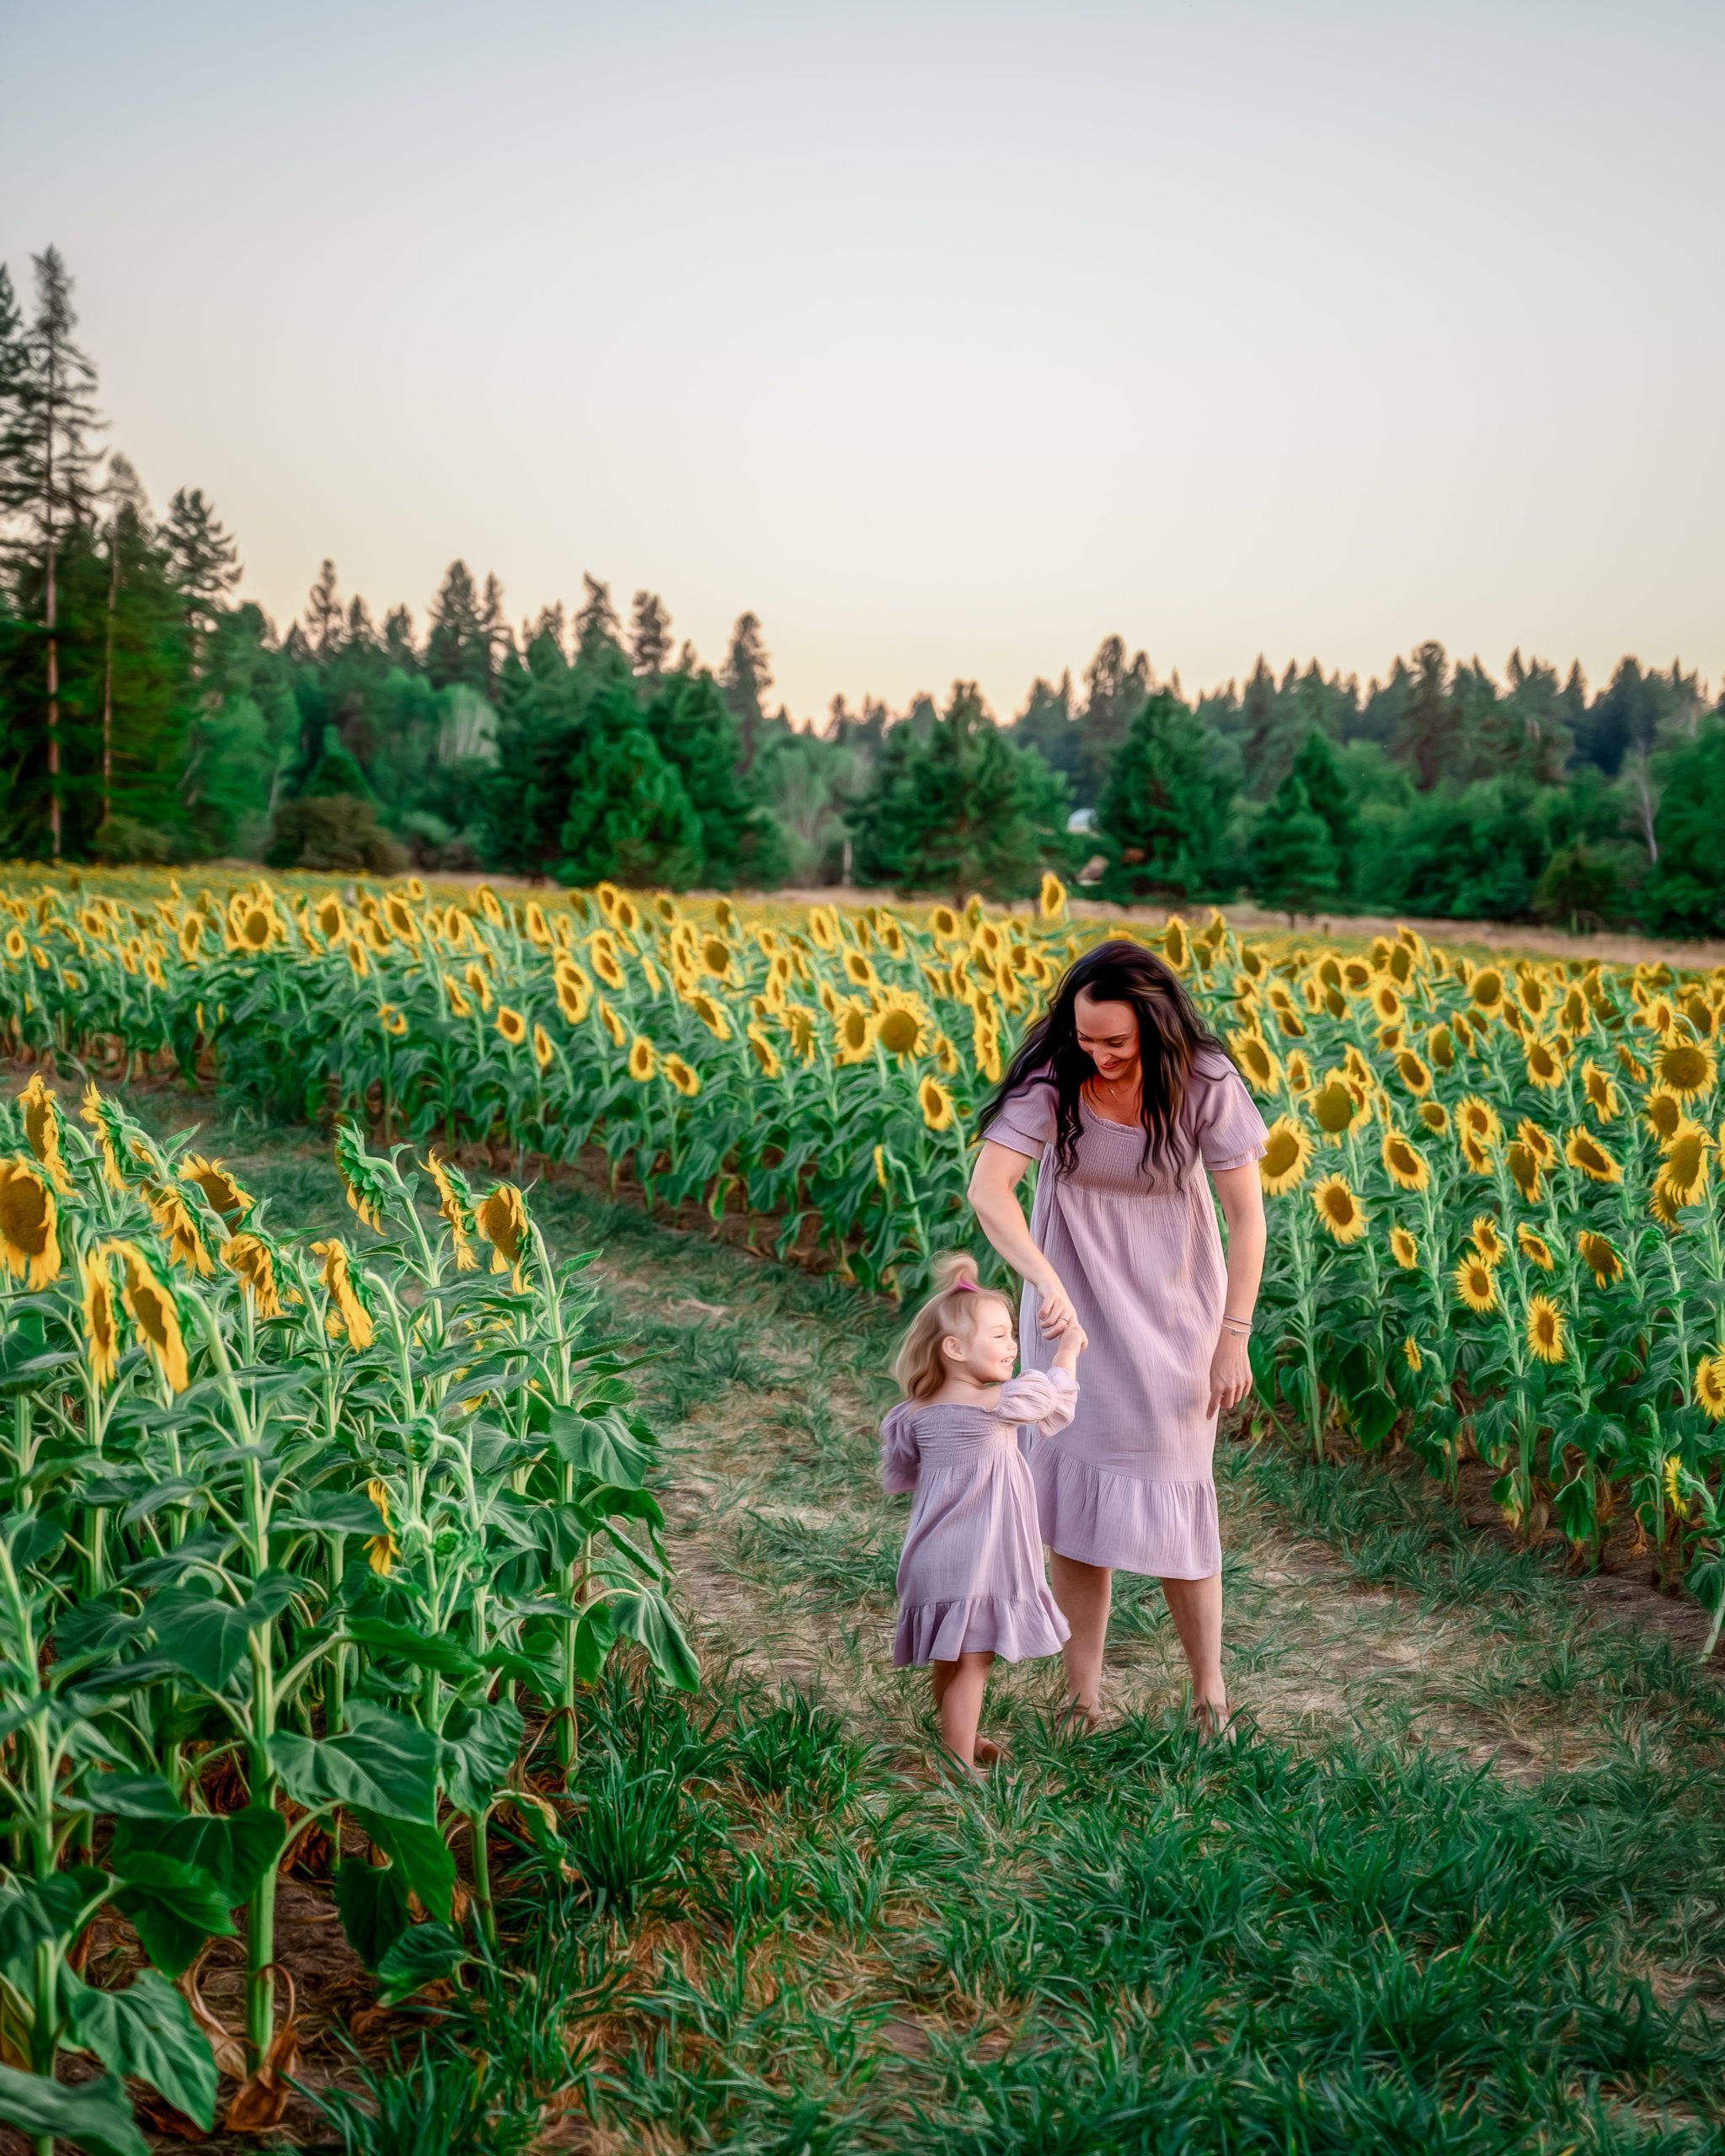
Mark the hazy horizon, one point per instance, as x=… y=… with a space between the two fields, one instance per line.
x=947 y=340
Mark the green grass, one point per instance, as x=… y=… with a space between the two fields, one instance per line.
x=1475 y=1906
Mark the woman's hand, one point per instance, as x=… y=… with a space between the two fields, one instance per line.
x=1054 y=1313
x=1230 y=1372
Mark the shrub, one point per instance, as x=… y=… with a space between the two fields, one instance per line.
x=336 y=830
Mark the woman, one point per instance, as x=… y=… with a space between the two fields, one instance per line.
x=1127 y=1099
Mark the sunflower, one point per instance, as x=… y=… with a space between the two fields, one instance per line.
x=1601 y=1093
x=1258 y=1062
x=477 y=979
x=880 y=1174
x=1478 y=1160
x=101 y=1314
x=1664 y=1113
x=1634 y=1068
x=1486 y=988
x=1335 y=1106
x=1535 y=1249
x=1051 y=902
x=853 y=1031
x=1523 y=1169
x=490 y=905
x=859 y=970
x=222 y=1194
x=710 y=1012
x=401 y=921
x=936 y=1103
x=643 y=1059
x=1175 y=947
x=455 y=1204
x=765 y=1054
x=943 y=925
x=1684 y=1177
x=1599 y=1256
x=1709 y=1386
x=252 y=1261
x=511 y=1024
x=544 y=1054
x=1435 y=1116
x=1489 y=1244
x=381 y=1550
x=41 y=1127
x=801 y=1024
x=1299 y=1071
x=683 y=1076
x=177 y=1226
x=1595 y=1162
x=1478 y=1120
x=1540 y=1143
x=1339 y=1209
x=153 y=1310
x=1415 y=1073
x=1476 y=1284
x=1403 y=1249
x=612 y=1024
x=1411 y=1356
x=1386 y=1002
x=537 y=927
x=1545 y=1329
x=902 y=1031
x=573 y=992
x=1544 y=1067
x=458 y=1002
x=502 y=1220
x=1688 y=1068
x=1287 y=1154
x=346 y=1311
x=1289 y=1019
x=255 y=928
x=191 y=935
x=947 y=1056
x=1403 y=1162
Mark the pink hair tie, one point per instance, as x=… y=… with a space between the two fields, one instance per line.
x=965 y=1287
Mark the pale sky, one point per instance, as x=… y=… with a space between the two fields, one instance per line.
x=948 y=338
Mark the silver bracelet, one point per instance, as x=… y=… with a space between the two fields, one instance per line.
x=1242 y=1325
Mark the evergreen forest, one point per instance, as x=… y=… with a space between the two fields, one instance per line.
x=149 y=712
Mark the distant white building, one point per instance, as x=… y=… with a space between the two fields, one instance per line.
x=1082 y=820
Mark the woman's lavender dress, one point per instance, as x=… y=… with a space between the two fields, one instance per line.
x=1128 y=1482
x=971 y=1576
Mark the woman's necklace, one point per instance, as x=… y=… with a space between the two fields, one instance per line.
x=1123 y=1099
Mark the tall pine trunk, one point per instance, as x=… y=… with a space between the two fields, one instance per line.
x=108 y=682
x=53 y=706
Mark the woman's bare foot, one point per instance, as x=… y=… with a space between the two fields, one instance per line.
x=1214 y=1719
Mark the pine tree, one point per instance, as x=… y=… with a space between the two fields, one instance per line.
x=1424 y=740
x=649 y=635
x=1293 y=862
x=456 y=649
x=1115 y=688
x=1045 y=724
x=1258 y=722
x=47 y=465
x=628 y=818
x=1164 y=812
x=1329 y=797
x=205 y=558
x=597 y=631
x=956 y=807
x=324 y=617
x=697 y=736
x=745 y=680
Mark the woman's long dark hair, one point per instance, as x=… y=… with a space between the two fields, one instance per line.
x=1170 y=1035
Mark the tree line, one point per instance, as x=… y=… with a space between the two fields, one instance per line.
x=147 y=713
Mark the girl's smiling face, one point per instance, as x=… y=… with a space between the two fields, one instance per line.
x=1107 y=1033
x=988 y=1355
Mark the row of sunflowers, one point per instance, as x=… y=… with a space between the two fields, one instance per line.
x=1494 y=1228
x=288 y=1530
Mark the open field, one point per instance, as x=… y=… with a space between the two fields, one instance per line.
x=1455 y=1889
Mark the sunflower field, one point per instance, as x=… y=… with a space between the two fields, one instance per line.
x=289 y=1533
x=1494 y=1229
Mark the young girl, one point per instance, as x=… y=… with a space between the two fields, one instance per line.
x=970 y=1580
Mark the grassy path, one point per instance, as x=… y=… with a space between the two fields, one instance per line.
x=1463 y=1887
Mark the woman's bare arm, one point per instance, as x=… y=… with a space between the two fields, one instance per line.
x=994 y=1198
x=1240 y=1194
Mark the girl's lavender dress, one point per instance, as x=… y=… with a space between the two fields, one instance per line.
x=971 y=1577
x=1128 y=1483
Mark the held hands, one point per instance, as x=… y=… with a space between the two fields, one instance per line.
x=1073 y=1342
x=1230 y=1374
x=1055 y=1313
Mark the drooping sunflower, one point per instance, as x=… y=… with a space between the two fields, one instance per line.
x=1523 y=1169
x=191 y=935
x=1688 y=1069
x=178 y=1225
x=804 y=1029
x=502 y=1220
x=1478 y=1118
x=1476 y=1283
x=1539 y=1142
x=1601 y=1092
x=1411 y=1356
x=222 y=1194
x=1414 y=1072
x=683 y=1076
x=1599 y=1257
x=391 y=1019
x=947 y=1056
x=1440 y=1046
x=1435 y=1116
x=936 y=1103
x=613 y=1024
x=346 y=1313
x=254 y=1261
x=511 y=1024
x=101 y=1316
x=853 y=1031
x=1403 y=1249
x=544 y=1054
x=458 y=1002
x=1299 y=1070
x=710 y=1012
x=477 y=979
x=1404 y=1163
x=1487 y=1240
x=153 y=1310
x=1709 y=1386
x=1684 y=1177
x=455 y=1202
x=1339 y=1209
x=1545 y=1329
x=1544 y=1067
x=643 y=1059
x=765 y=1054
x=1586 y=1153
x=1477 y=1159
x=1257 y=1060
x=41 y=1128
x=1535 y=1248
x=1051 y=901
x=1287 y=1154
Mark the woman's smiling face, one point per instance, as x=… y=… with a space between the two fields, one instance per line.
x=1107 y=1033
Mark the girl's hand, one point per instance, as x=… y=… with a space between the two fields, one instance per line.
x=1073 y=1342
x=1054 y=1308
x=1230 y=1372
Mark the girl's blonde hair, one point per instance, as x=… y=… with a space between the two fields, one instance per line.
x=918 y=1366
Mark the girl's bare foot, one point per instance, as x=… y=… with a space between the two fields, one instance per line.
x=1075 y=1720
x=988 y=1753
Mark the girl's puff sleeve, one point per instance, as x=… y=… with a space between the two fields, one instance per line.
x=1049 y=1399
x=898 y=1448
